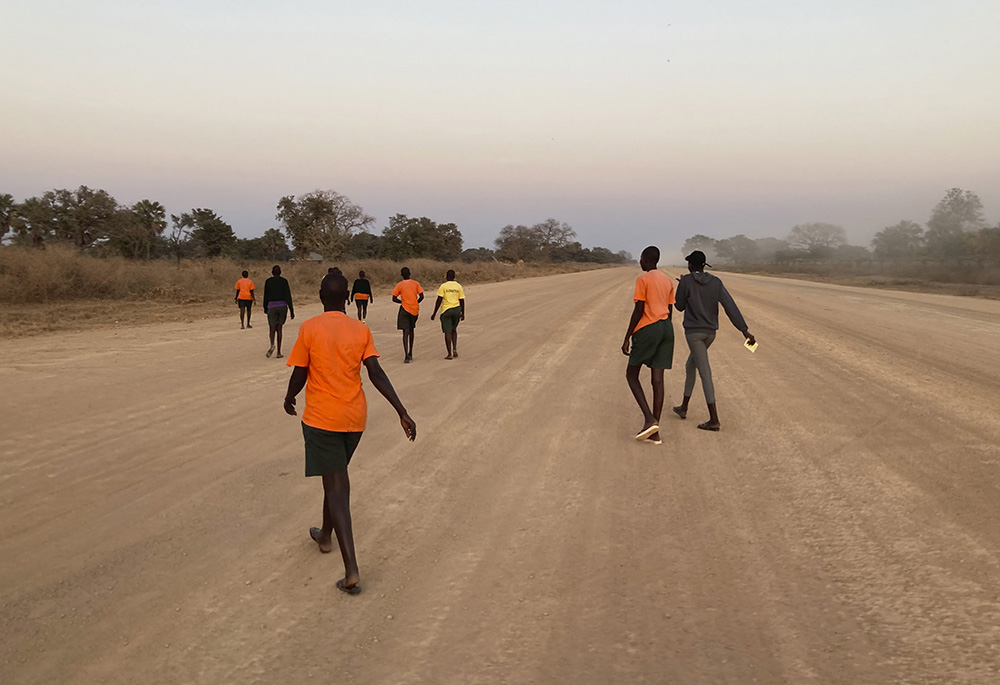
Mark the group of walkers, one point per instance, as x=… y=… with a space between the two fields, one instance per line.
x=331 y=349
x=649 y=339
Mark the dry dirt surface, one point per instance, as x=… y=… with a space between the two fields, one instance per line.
x=842 y=528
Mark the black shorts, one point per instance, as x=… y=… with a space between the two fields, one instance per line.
x=328 y=451
x=405 y=321
x=653 y=345
x=245 y=304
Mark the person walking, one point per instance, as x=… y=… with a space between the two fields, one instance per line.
x=245 y=298
x=408 y=294
x=699 y=295
x=327 y=358
x=451 y=300
x=361 y=295
x=649 y=340
x=277 y=307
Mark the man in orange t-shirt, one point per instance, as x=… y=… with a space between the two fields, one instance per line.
x=650 y=336
x=327 y=359
x=245 y=297
x=408 y=294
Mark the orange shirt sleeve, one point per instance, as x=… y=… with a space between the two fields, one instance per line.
x=237 y=286
x=252 y=286
x=370 y=350
x=299 y=355
x=396 y=291
x=640 y=290
x=419 y=289
x=671 y=298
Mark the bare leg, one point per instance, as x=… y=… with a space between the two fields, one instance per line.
x=447 y=344
x=249 y=309
x=632 y=376
x=656 y=377
x=242 y=314
x=406 y=353
x=337 y=487
x=358 y=302
x=279 y=339
x=454 y=343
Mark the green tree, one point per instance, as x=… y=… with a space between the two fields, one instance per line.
x=364 y=245
x=179 y=240
x=478 y=254
x=898 y=241
x=818 y=239
x=958 y=213
x=33 y=222
x=82 y=216
x=274 y=245
x=322 y=221
x=406 y=238
x=518 y=243
x=7 y=208
x=738 y=249
x=209 y=233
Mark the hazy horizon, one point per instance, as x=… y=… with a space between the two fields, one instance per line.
x=636 y=123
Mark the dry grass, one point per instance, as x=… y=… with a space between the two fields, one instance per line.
x=59 y=289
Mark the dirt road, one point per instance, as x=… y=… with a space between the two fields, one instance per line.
x=842 y=528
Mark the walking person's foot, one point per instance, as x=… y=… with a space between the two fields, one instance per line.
x=242 y=327
x=681 y=412
x=647 y=430
x=450 y=357
x=279 y=356
x=324 y=542
x=349 y=585
x=270 y=351
x=249 y=326
x=709 y=426
x=455 y=354
x=655 y=439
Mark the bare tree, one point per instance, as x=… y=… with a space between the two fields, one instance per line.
x=322 y=221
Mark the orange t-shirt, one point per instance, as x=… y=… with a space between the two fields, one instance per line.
x=333 y=346
x=407 y=292
x=245 y=285
x=657 y=290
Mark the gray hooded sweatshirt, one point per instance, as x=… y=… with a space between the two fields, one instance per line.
x=699 y=295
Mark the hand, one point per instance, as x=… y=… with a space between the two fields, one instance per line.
x=462 y=318
x=409 y=426
x=290 y=406
x=626 y=345
x=433 y=315
x=750 y=339
x=292 y=315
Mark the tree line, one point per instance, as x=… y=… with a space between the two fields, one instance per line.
x=323 y=223
x=955 y=231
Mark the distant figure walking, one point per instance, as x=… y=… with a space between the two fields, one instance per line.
x=408 y=294
x=699 y=295
x=327 y=359
x=649 y=340
x=277 y=306
x=451 y=300
x=245 y=298
x=361 y=295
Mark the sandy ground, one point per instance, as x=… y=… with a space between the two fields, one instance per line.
x=842 y=528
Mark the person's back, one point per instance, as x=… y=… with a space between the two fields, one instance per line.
x=657 y=291
x=276 y=289
x=699 y=295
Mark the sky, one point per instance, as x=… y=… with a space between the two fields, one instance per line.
x=636 y=122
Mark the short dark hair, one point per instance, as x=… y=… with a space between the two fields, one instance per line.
x=361 y=274
x=334 y=286
x=276 y=270
x=652 y=253
x=245 y=274
x=450 y=275
x=405 y=272
x=333 y=270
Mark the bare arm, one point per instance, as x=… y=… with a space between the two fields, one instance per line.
x=462 y=302
x=640 y=307
x=296 y=382
x=420 y=298
x=436 y=305
x=381 y=382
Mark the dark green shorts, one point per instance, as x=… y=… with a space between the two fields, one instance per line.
x=405 y=321
x=653 y=345
x=276 y=316
x=328 y=451
x=450 y=319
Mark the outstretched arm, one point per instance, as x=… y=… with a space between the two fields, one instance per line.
x=640 y=307
x=436 y=305
x=733 y=312
x=381 y=382
x=295 y=385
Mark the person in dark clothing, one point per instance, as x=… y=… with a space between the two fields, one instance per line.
x=361 y=295
x=277 y=306
x=699 y=295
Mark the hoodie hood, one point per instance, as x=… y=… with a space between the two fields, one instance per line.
x=702 y=278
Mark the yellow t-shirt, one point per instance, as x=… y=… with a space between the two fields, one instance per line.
x=450 y=293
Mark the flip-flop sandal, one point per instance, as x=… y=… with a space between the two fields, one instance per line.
x=352 y=590
x=682 y=414
x=643 y=434
x=316 y=534
x=706 y=427
x=653 y=442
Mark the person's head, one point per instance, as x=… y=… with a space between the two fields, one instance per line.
x=333 y=291
x=275 y=270
x=697 y=261
x=333 y=270
x=404 y=272
x=649 y=258
x=246 y=274
x=450 y=275
x=361 y=274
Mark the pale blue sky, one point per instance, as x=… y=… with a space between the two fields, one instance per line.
x=636 y=122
